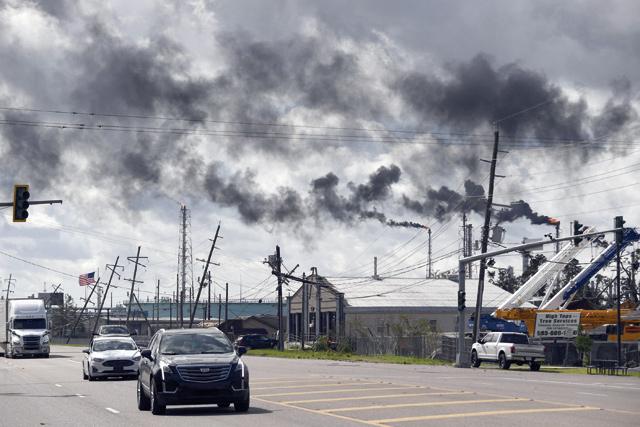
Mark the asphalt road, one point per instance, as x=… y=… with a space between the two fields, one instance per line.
x=36 y=392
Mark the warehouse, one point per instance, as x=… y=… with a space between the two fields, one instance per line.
x=381 y=306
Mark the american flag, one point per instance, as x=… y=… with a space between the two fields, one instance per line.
x=86 y=279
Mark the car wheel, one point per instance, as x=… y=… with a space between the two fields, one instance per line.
x=143 y=400
x=503 y=363
x=242 y=405
x=534 y=366
x=84 y=374
x=224 y=405
x=475 y=361
x=156 y=407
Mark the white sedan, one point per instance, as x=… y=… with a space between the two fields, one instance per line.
x=111 y=357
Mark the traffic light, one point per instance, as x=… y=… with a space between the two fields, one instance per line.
x=20 y=202
x=577 y=230
x=461 y=300
x=618 y=222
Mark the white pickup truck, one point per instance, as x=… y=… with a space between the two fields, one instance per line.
x=506 y=348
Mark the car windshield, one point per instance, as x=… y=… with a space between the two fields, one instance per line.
x=29 y=324
x=114 y=330
x=106 y=345
x=195 y=344
x=515 y=339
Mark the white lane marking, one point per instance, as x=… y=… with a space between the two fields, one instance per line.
x=58 y=385
x=80 y=395
x=74 y=361
x=592 y=394
x=113 y=411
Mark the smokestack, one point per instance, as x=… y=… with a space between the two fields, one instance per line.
x=375 y=268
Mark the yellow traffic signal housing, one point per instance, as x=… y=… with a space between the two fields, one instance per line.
x=20 y=202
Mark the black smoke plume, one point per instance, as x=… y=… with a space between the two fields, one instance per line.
x=521 y=209
x=406 y=224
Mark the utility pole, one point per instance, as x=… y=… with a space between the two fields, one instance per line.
x=170 y=314
x=305 y=308
x=429 y=273
x=158 y=303
x=226 y=304
x=206 y=269
x=219 y=309
x=113 y=269
x=209 y=298
x=318 y=321
x=279 y=271
x=618 y=222
x=9 y=281
x=132 y=295
x=485 y=237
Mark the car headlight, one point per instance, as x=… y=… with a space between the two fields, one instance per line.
x=240 y=367
x=45 y=339
x=136 y=358
x=97 y=359
x=165 y=368
x=15 y=339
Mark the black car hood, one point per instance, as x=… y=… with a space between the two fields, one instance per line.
x=200 y=359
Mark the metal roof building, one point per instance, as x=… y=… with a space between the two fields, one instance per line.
x=382 y=307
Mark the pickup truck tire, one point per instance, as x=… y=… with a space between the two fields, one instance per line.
x=534 y=366
x=475 y=361
x=503 y=363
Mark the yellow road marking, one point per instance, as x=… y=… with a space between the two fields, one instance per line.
x=334 y=391
x=419 y=404
x=313 y=411
x=479 y=414
x=385 y=396
x=312 y=385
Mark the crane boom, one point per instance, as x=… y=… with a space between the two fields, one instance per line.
x=544 y=274
x=564 y=296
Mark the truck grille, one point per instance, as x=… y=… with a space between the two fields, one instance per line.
x=31 y=342
x=118 y=364
x=204 y=374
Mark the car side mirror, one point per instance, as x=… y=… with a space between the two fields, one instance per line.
x=86 y=351
x=241 y=350
x=481 y=341
x=146 y=353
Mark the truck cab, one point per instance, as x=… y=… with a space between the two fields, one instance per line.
x=26 y=328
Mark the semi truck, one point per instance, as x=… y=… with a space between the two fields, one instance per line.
x=24 y=328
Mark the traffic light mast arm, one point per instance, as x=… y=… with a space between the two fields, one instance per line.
x=34 y=202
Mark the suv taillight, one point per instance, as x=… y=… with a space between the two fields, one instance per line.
x=513 y=349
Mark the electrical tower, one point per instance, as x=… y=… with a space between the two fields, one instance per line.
x=185 y=260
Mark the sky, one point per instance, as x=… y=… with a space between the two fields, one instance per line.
x=338 y=131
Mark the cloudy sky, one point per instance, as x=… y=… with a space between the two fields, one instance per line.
x=312 y=125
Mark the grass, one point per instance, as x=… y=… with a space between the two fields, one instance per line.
x=402 y=360
x=347 y=357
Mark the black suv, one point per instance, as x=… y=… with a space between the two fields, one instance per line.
x=192 y=367
x=256 y=341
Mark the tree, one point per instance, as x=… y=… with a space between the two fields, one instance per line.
x=62 y=317
x=505 y=280
x=583 y=345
